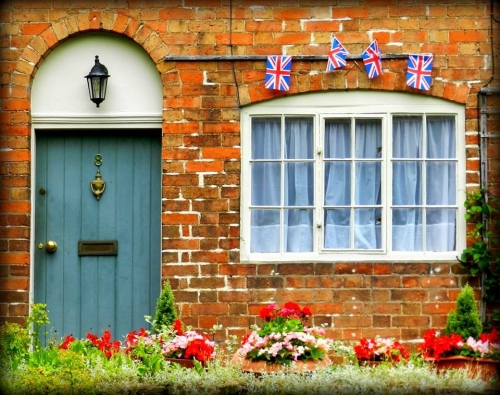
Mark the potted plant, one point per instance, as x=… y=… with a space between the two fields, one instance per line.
x=378 y=350
x=284 y=340
x=463 y=345
x=165 y=313
x=174 y=343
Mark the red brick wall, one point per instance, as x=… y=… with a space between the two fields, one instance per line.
x=201 y=140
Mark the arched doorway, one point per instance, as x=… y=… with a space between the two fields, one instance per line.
x=106 y=270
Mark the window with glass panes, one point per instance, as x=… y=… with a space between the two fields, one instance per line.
x=331 y=182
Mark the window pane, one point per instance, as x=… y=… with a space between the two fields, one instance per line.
x=407 y=137
x=298 y=230
x=298 y=138
x=337 y=228
x=338 y=183
x=441 y=229
x=367 y=229
x=266 y=185
x=368 y=183
x=407 y=229
x=407 y=183
x=368 y=138
x=265 y=231
x=441 y=183
x=299 y=184
x=266 y=138
x=338 y=138
x=441 y=137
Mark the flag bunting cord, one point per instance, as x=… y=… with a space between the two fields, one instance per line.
x=199 y=58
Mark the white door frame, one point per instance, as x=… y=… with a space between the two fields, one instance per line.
x=38 y=123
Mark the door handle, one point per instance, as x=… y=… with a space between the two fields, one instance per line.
x=50 y=246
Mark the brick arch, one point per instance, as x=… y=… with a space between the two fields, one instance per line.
x=393 y=79
x=74 y=25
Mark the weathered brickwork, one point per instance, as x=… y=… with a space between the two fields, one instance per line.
x=201 y=140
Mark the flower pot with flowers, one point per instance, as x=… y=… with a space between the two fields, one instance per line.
x=174 y=343
x=375 y=351
x=463 y=345
x=285 y=340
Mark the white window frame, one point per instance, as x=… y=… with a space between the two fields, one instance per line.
x=356 y=104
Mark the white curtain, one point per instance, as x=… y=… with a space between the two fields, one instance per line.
x=289 y=216
x=347 y=227
x=282 y=184
x=407 y=186
x=407 y=151
x=441 y=184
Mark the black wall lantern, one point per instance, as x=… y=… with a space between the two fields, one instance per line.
x=97 y=80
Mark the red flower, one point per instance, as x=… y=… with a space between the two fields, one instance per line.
x=64 y=345
x=292 y=306
x=132 y=339
x=437 y=347
x=178 y=327
x=104 y=343
x=306 y=311
x=290 y=310
x=198 y=349
x=492 y=337
x=269 y=312
x=380 y=349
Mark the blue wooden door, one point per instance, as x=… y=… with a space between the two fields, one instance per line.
x=105 y=272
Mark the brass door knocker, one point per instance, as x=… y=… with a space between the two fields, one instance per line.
x=98 y=185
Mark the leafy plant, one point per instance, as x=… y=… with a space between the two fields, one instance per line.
x=15 y=339
x=285 y=337
x=481 y=257
x=380 y=349
x=14 y=344
x=437 y=346
x=165 y=313
x=37 y=319
x=465 y=320
x=172 y=342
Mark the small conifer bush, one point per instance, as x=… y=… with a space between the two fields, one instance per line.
x=465 y=320
x=165 y=313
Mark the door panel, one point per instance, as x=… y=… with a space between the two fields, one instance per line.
x=93 y=293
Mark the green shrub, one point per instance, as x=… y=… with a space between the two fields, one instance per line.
x=465 y=320
x=14 y=344
x=165 y=313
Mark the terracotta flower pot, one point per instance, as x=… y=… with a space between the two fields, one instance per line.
x=264 y=367
x=485 y=368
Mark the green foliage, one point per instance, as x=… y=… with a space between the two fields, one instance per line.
x=38 y=318
x=281 y=325
x=15 y=340
x=165 y=313
x=150 y=364
x=465 y=320
x=14 y=344
x=481 y=258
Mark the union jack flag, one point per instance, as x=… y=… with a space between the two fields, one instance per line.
x=372 y=58
x=336 y=56
x=278 y=72
x=419 y=71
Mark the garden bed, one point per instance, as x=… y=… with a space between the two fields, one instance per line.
x=142 y=364
x=120 y=376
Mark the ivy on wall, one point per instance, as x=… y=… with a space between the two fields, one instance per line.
x=481 y=258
